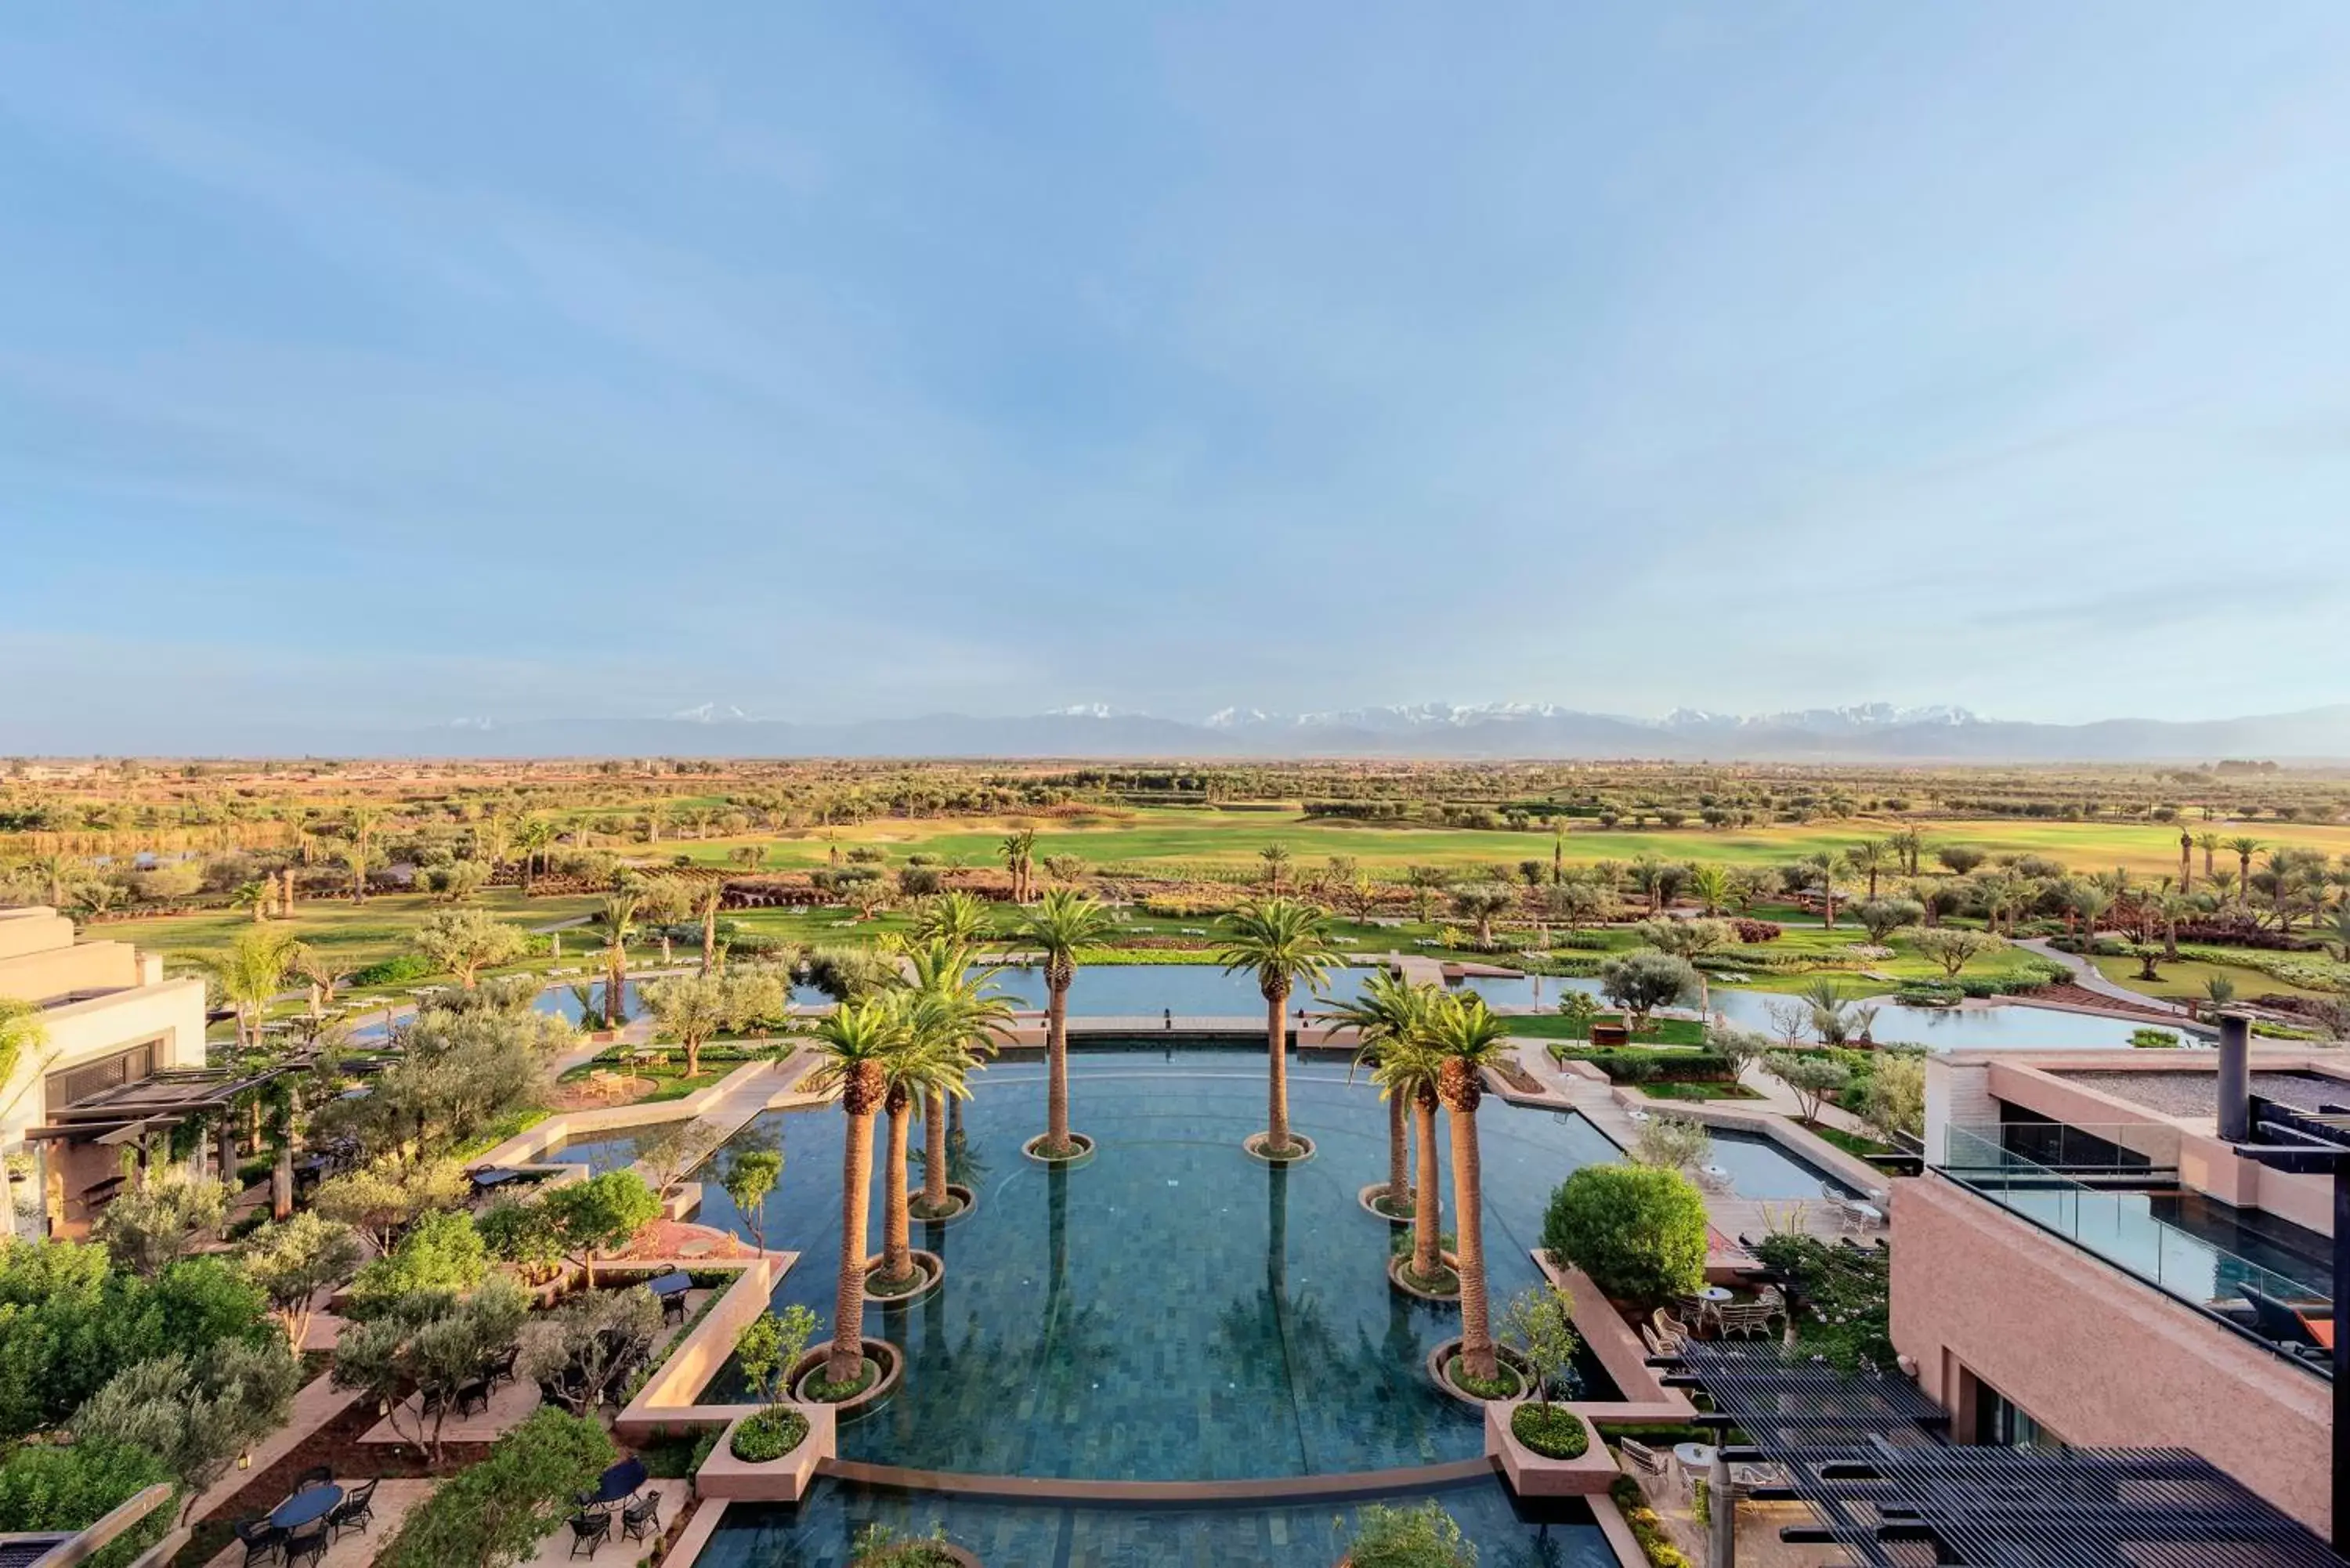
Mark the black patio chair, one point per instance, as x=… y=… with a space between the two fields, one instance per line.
x=307 y=1543
x=643 y=1518
x=673 y=1306
x=317 y=1475
x=591 y=1530
x=357 y=1510
x=502 y=1368
x=262 y=1539
x=474 y=1396
x=2272 y=1319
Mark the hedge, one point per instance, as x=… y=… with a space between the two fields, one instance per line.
x=1641 y=1064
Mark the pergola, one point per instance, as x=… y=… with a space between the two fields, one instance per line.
x=1868 y=1455
x=131 y=1113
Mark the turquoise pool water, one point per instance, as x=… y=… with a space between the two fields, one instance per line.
x=1172 y=1310
x=1130 y=991
x=818 y=1532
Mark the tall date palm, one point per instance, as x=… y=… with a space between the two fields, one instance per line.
x=958 y=1004
x=1281 y=941
x=1407 y=1075
x=854 y=1045
x=1385 y=1017
x=1466 y=1038
x=1061 y=924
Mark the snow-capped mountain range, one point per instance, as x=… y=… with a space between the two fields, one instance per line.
x=1870 y=732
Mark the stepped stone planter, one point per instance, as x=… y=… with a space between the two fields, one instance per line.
x=1253 y=1146
x=1531 y=1474
x=783 y=1479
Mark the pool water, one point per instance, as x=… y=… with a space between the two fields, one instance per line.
x=1760 y=1168
x=600 y=1152
x=820 y=1533
x=1172 y=1310
x=1130 y=991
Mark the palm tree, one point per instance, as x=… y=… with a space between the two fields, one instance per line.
x=1283 y=940
x=2245 y=847
x=854 y=1043
x=1386 y=1013
x=1407 y=1071
x=1276 y=861
x=957 y=916
x=1829 y=865
x=1019 y=858
x=250 y=973
x=2209 y=842
x=961 y=1009
x=56 y=867
x=2186 y=861
x=1063 y=922
x=707 y=896
x=354 y=856
x=537 y=836
x=2090 y=902
x=1466 y=1038
x=1870 y=857
x=619 y=916
x=1710 y=883
x=927 y=1066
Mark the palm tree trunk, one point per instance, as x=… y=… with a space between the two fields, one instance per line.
x=1469 y=1248
x=1427 y=1255
x=848 y=1299
x=934 y=1152
x=708 y=938
x=1399 y=1154
x=1056 y=1071
x=1276 y=1046
x=616 y=974
x=897 y=1232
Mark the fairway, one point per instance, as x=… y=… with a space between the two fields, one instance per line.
x=1232 y=839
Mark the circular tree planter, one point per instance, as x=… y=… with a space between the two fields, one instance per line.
x=879 y=1352
x=1301 y=1146
x=1370 y=1198
x=1442 y=1358
x=963 y=1200
x=930 y=1266
x=1033 y=1147
x=1395 y=1277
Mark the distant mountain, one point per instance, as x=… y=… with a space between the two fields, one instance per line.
x=1871 y=733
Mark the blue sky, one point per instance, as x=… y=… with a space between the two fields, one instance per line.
x=385 y=366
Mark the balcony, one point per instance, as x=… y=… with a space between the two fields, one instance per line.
x=2113 y=1195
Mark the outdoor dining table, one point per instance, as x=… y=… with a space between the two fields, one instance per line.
x=674 y=1283
x=310 y=1503
x=618 y=1484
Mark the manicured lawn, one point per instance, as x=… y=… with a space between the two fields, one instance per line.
x=1850 y=1142
x=1212 y=838
x=1558 y=1026
x=355 y=934
x=2184 y=980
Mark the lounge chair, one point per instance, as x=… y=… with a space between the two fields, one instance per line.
x=2273 y=1321
x=1671 y=1330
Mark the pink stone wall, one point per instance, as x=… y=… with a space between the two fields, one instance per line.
x=2100 y=1359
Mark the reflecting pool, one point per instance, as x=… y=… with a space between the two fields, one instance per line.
x=820 y=1533
x=1171 y=1310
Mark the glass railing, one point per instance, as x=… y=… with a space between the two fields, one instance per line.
x=2120 y=1227
x=2102 y=1147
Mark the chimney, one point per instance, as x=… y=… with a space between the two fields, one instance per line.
x=2235 y=1078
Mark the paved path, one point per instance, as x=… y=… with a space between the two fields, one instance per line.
x=2088 y=978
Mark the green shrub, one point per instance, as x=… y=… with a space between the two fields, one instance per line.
x=1640 y=1065
x=499 y=1509
x=1840 y=1299
x=1639 y=1232
x=879 y=1546
x=1647 y=1528
x=1424 y=1536
x=2154 y=1039
x=769 y=1435
x=405 y=969
x=442 y=1251
x=1553 y=1432
x=74 y=1486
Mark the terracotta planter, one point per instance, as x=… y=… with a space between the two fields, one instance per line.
x=1084 y=1150
x=1443 y=1354
x=880 y=1352
x=934 y=1269
x=1251 y=1147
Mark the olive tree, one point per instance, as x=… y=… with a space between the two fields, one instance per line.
x=1642 y=980
x=1953 y=947
x=467 y=940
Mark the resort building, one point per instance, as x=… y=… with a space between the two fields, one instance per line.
x=2099 y=1254
x=110 y=1022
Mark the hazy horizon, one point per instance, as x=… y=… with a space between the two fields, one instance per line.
x=376 y=371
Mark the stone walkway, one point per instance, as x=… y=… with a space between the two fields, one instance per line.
x=2088 y=976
